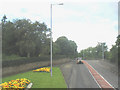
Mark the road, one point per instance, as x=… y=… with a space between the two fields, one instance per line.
x=78 y=75
x=106 y=70
x=81 y=78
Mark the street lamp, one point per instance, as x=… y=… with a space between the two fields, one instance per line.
x=51 y=33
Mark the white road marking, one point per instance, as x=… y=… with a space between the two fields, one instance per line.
x=93 y=77
x=101 y=76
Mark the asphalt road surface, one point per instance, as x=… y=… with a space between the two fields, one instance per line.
x=81 y=78
x=78 y=76
x=106 y=70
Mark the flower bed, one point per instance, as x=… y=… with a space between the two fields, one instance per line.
x=44 y=69
x=18 y=83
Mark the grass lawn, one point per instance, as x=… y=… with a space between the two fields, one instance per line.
x=42 y=79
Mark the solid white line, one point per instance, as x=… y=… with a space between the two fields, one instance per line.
x=106 y=81
x=94 y=78
x=102 y=76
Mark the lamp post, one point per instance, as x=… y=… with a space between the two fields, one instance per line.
x=51 y=33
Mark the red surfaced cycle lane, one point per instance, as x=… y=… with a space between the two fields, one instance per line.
x=103 y=84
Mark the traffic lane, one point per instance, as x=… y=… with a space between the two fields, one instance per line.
x=67 y=71
x=81 y=77
x=104 y=70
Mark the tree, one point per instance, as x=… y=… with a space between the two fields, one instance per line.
x=63 y=44
x=114 y=53
x=72 y=48
x=4 y=19
x=24 y=38
x=93 y=52
x=56 y=49
x=9 y=39
x=118 y=45
x=66 y=47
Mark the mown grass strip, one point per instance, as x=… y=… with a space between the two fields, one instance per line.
x=42 y=79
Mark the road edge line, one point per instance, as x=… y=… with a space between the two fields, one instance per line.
x=93 y=77
x=102 y=76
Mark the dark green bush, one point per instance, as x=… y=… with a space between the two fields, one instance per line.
x=7 y=62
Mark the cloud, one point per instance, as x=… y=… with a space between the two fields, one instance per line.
x=85 y=23
x=86 y=34
x=32 y=9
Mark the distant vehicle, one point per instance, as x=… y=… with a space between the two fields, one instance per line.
x=79 y=61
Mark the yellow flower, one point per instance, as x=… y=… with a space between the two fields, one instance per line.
x=44 y=69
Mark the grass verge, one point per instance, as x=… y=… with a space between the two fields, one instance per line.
x=42 y=79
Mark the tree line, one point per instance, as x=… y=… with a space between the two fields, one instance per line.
x=25 y=38
x=96 y=52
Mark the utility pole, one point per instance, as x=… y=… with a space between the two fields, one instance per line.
x=102 y=44
x=102 y=51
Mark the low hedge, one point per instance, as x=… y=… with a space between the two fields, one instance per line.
x=25 y=60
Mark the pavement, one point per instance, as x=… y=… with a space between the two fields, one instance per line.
x=78 y=75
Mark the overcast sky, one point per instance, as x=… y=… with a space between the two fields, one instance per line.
x=84 y=22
